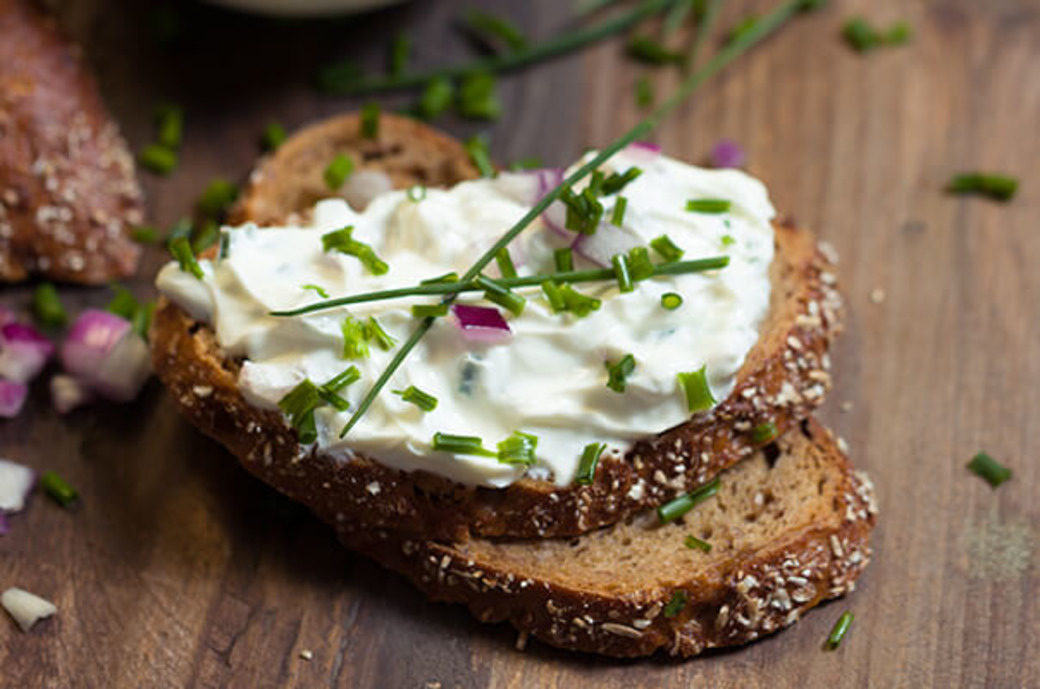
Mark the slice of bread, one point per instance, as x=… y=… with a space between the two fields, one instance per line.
x=68 y=194
x=788 y=529
x=784 y=377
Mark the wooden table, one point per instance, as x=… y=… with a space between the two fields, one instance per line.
x=179 y=570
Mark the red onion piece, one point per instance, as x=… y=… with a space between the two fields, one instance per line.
x=727 y=153
x=16 y=483
x=643 y=150
x=23 y=352
x=67 y=393
x=105 y=354
x=12 y=398
x=481 y=323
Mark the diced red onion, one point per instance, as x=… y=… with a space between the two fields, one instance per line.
x=67 y=393
x=12 y=398
x=16 y=483
x=364 y=185
x=643 y=150
x=727 y=153
x=23 y=352
x=481 y=323
x=103 y=352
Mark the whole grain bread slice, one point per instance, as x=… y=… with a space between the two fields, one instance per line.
x=788 y=529
x=784 y=377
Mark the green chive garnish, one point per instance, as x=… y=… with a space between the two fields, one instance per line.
x=898 y=34
x=644 y=92
x=554 y=296
x=182 y=228
x=505 y=263
x=436 y=98
x=617 y=181
x=518 y=448
x=477 y=149
x=666 y=248
x=675 y=605
x=216 y=198
x=577 y=303
x=441 y=279
x=338 y=170
x=587 y=467
x=460 y=445
x=429 y=310
x=169 y=120
x=57 y=489
x=124 y=304
x=328 y=391
x=414 y=395
x=416 y=193
x=671 y=511
x=320 y=291
x=646 y=49
x=370 y=120
x=478 y=98
x=47 y=307
x=142 y=319
x=207 y=234
x=617 y=374
x=617 y=217
x=158 y=159
x=273 y=137
x=694 y=543
x=640 y=267
x=181 y=250
x=144 y=234
x=695 y=386
x=764 y=433
x=342 y=240
x=529 y=163
x=492 y=30
x=374 y=333
x=841 y=628
x=503 y=296
x=584 y=210
x=564 y=260
x=624 y=278
x=671 y=300
x=355 y=338
x=299 y=405
x=708 y=205
x=997 y=187
x=863 y=37
x=728 y=240
x=988 y=468
x=400 y=51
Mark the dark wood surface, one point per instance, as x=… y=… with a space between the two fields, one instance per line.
x=177 y=569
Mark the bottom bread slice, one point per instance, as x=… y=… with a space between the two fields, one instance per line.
x=788 y=529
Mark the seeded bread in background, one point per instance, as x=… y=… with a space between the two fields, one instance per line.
x=68 y=194
x=788 y=529
x=783 y=379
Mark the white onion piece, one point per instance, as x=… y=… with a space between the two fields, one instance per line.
x=67 y=393
x=90 y=341
x=23 y=352
x=16 y=482
x=363 y=186
x=26 y=608
x=12 y=398
x=125 y=370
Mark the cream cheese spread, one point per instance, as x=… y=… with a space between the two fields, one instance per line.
x=549 y=378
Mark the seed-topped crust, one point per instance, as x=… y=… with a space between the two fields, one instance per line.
x=68 y=194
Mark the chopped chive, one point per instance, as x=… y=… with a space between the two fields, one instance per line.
x=436 y=98
x=225 y=246
x=675 y=604
x=764 y=433
x=670 y=511
x=477 y=149
x=416 y=193
x=400 y=51
x=728 y=240
x=123 y=304
x=181 y=250
x=617 y=181
x=47 y=307
x=374 y=333
x=370 y=113
x=671 y=300
x=503 y=296
x=997 y=187
x=646 y=49
x=898 y=34
x=584 y=210
x=624 y=278
x=429 y=310
x=640 y=267
x=337 y=171
x=182 y=228
x=695 y=386
x=617 y=374
x=708 y=205
x=554 y=296
x=564 y=260
x=860 y=35
x=644 y=92
x=317 y=289
x=460 y=445
x=587 y=467
x=144 y=234
x=518 y=448
x=334 y=400
x=334 y=75
x=441 y=279
x=989 y=469
x=493 y=30
x=529 y=163
x=158 y=159
x=355 y=340
x=350 y=375
x=666 y=248
x=274 y=136
x=169 y=121
x=216 y=198
x=342 y=240
x=694 y=543
x=414 y=395
x=299 y=405
x=505 y=263
x=206 y=236
x=577 y=303
x=617 y=217
x=478 y=98
x=142 y=319
x=841 y=628
x=57 y=489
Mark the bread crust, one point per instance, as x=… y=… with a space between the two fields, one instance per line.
x=68 y=194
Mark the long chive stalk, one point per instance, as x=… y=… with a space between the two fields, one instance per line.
x=765 y=27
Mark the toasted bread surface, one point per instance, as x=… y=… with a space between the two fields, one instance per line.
x=68 y=194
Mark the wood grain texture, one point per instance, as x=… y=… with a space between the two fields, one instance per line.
x=179 y=570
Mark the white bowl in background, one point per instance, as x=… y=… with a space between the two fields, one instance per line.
x=303 y=8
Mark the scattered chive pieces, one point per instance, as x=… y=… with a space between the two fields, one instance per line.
x=518 y=448
x=728 y=240
x=47 y=307
x=414 y=395
x=708 y=205
x=460 y=445
x=764 y=433
x=587 y=467
x=841 y=628
x=863 y=37
x=400 y=51
x=342 y=240
x=694 y=543
x=299 y=405
x=617 y=217
x=206 y=236
x=440 y=279
x=997 y=187
x=898 y=34
x=216 y=198
x=617 y=374
x=374 y=333
x=145 y=234
x=436 y=98
x=583 y=210
x=695 y=386
x=554 y=296
x=624 y=278
x=530 y=163
x=158 y=159
x=671 y=300
x=493 y=30
x=640 y=267
x=429 y=310
x=320 y=291
x=644 y=92
x=477 y=97
x=564 y=260
x=646 y=49
x=666 y=248
x=181 y=250
x=182 y=228
x=675 y=604
x=989 y=469
x=169 y=120
x=274 y=136
x=124 y=304
x=370 y=120
x=505 y=263
x=676 y=508
x=617 y=181
x=477 y=148
x=57 y=489
x=503 y=296
x=577 y=303
x=416 y=193
x=337 y=172
x=350 y=375
x=355 y=340
x=142 y=319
